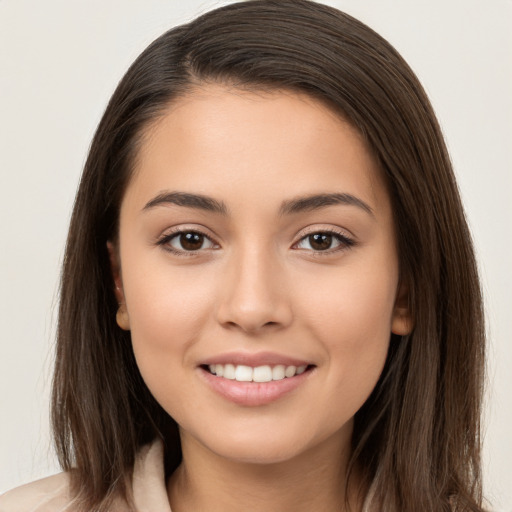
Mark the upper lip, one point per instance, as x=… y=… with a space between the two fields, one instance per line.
x=255 y=359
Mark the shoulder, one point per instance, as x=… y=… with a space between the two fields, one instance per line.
x=46 y=495
x=53 y=494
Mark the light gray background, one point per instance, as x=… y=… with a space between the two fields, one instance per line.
x=59 y=63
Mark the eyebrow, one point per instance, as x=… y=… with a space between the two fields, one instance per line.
x=196 y=201
x=319 y=201
x=288 y=207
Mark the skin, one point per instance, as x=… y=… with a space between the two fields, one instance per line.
x=257 y=283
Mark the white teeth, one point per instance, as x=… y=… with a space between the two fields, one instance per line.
x=290 y=371
x=264 y=373
x=242 y=373
x=278 y=372
x=229 y=372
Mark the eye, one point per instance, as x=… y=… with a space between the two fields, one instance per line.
x=326 y=241
x=186 y=241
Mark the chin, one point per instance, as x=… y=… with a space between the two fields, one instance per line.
x=264 y=445
x=273 y=452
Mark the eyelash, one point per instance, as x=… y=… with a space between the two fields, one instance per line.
x=164 y=242
x=343 y=240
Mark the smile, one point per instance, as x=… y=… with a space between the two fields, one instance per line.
x=255 y=380
x=265 y=373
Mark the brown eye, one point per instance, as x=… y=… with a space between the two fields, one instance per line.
x=320 y=241
x=325 y=241
x=191 y=241
x=188 y=241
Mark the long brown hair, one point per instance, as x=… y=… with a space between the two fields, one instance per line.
x=417 y=437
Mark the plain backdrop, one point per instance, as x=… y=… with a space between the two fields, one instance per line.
x=60 y=60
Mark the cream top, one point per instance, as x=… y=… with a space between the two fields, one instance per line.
x=52 y=494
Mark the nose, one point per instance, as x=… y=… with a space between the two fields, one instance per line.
x=254 y=293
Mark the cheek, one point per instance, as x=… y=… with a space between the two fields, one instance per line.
x=351 y=304
x=168 y=308
x=351 y=315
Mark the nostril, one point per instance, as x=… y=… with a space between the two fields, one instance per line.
x=253 y=326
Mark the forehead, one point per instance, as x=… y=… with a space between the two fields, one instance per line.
x=217 y=139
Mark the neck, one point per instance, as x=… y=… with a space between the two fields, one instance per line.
x=313 y=480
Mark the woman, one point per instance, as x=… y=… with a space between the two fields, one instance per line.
x=269 y=285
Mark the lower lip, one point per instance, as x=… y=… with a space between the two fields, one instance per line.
x=252 y=394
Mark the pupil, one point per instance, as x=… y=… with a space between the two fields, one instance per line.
x=191 y=241
x=320 y=241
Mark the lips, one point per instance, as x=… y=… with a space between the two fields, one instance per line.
x=254 y=379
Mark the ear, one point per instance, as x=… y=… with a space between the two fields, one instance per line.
x=122 y=317
x=402 y=322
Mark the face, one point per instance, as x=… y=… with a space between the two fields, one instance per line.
x=258 y=268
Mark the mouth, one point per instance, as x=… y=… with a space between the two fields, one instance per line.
x=260 y=374
x=251 y=386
